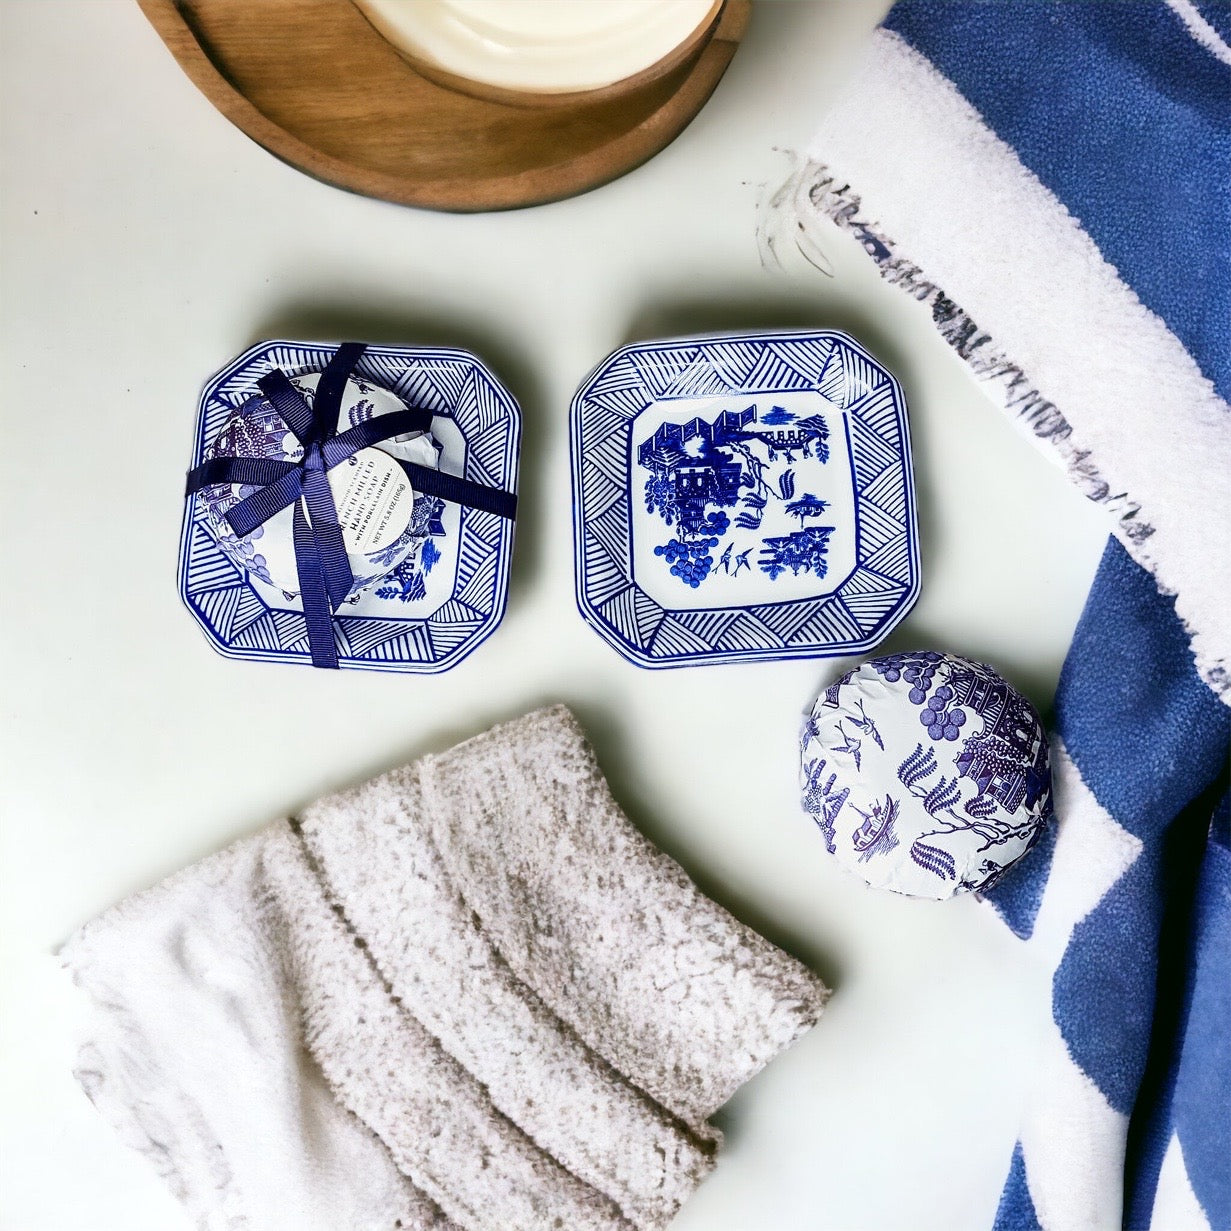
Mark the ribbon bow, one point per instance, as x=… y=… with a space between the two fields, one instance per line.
x=325 y=576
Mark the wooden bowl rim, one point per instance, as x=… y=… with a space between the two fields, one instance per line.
x=533 y=186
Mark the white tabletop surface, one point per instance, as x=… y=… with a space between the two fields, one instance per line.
x=145 y=242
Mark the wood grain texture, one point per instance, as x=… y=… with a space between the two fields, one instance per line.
x=316 y=85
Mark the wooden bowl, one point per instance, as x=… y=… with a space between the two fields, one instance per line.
x=314 y=83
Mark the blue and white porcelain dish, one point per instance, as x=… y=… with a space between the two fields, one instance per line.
x=435 y=605
x=740 y=497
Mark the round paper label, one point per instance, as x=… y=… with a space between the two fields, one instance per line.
x=374 y=500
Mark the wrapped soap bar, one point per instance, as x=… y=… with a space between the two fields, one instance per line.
x=926 y=773
x=382 y=524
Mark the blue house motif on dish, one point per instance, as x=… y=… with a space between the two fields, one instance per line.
x=759 y=500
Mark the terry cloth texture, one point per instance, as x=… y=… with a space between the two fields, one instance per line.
x=1052 y=183
x=465 y=994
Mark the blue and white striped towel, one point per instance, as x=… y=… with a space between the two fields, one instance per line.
x=1053 y=181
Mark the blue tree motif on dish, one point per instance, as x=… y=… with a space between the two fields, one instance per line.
x=407 y=582
x=701 y=468
x=805 y=549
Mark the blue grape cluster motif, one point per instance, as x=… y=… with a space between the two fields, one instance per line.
x=242 y=551
x=690 y=561
x=942 y=718
x=942 y=723
x=917 y=668
x=245 y=551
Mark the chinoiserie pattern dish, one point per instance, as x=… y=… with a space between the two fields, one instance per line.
x=743 y=497
x=445 y=587
x=926 y=773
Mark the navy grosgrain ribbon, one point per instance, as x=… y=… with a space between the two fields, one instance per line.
x=325 y=577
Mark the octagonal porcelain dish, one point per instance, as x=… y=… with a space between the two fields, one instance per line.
x=741 y=497
x=434 y=608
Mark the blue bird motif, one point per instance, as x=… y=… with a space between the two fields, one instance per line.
x=850 y=746
x=866 y=726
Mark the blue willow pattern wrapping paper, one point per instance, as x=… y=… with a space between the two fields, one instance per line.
x=927 y=774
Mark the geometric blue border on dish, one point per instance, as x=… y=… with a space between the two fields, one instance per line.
x=859 y=614
x=452 y=384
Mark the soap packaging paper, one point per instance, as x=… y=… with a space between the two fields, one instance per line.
x=382 y=522
x=926 y=773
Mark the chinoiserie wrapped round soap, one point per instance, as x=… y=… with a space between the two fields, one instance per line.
x=927 y=774
x=381 y=521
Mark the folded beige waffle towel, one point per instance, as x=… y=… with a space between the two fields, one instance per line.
x=465 y=994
